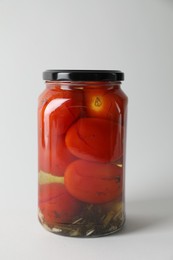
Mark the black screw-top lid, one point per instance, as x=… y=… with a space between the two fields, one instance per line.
x=83 y=75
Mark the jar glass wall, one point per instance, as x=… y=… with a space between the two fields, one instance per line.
x=81 y=157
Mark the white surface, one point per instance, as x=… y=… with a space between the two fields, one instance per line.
x=135 y=36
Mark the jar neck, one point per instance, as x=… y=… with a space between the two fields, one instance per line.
x=82 y=85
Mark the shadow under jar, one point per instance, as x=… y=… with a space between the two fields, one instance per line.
x=81 y=152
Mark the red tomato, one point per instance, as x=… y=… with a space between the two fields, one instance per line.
x=57 y=205
x=58 y=109
x=56 y=157
x=95 y=139
x=59 y=114
x=105 y=103
x=92 y=182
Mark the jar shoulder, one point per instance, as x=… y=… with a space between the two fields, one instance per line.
x=121 y=95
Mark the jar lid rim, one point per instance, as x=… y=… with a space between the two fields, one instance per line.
x=83 y=75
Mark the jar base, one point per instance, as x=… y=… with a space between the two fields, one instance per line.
x=83 y=231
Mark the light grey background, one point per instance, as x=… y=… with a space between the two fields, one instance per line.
x=135 y=36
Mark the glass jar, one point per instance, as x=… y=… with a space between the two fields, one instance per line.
x=81 y=151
